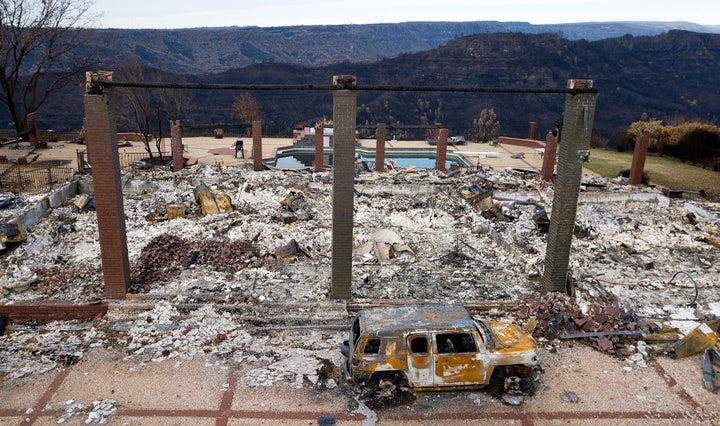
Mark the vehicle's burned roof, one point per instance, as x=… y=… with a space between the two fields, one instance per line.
x=424 y=316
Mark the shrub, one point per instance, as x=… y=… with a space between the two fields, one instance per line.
x=698 y=143
x=655 y=128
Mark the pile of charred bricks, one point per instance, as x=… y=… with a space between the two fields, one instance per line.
x=609 y=329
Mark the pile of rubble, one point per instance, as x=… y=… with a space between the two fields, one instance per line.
x=167 y=255
x=608 y=328
x=420 y=235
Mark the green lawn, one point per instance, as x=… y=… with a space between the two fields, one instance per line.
x=662 y=171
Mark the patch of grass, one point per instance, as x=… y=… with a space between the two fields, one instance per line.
x=663 y=171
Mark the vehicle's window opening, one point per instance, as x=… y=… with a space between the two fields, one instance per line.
x=485 y=334
x=356 y=331
x=372 y=346
x=455 y=343
x=419 y=345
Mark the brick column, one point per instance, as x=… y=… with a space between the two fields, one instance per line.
x=101 y=140
x=257 y=145
x=30 y=124
x=441 y=154
x=532 y=130
x=638 y=162
x=344 y=120
x=176 y=145
x=319 y=151
x=574 y=145
x=380 y=147
x=548 y=166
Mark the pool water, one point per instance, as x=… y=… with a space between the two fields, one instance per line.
x=298 y=157
x=404 y=162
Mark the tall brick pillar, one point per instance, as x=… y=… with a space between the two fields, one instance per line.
x=176 y=145
x=31 y=125
x=441 y=154
x=344 y=116
x=257 y=145
x=548 y=166
x=319 y=151
x=638 y=162
x=101 y=140
x=574 y=151
x=380 y=137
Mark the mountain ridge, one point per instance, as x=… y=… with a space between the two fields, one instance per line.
x=212 y=50
x=668 y=77
x=665 y=77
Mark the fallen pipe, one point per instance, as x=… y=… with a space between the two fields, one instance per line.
x=694 y=300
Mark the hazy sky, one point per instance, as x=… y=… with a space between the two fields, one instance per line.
x=267 y=13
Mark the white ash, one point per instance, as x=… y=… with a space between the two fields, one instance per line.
x=99 y=412
x=631 y=241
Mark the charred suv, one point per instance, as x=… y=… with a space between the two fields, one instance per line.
x=434 y=347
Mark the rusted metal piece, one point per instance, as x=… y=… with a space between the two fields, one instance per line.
x=711 y=370
x=434 y=347
x=11 y=233
x=698 y=340
x=175 y=211
x=212 y=201
x=84 y=202
x=480 y=198
x=601 y=334
x=291 y=249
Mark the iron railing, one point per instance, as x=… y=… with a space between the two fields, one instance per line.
x=128 y=158
x=33 y=178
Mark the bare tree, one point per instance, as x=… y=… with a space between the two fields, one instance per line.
x=146 y=110
x=135 y=106
x=246 y=108
x=175 y=104
x=38 y=41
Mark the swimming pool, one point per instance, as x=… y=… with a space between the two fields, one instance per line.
x=294 y=157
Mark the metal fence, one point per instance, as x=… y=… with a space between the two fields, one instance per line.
x=33 y=178
x=128 y=158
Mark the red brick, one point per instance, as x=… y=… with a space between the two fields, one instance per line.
x=441 y=154
x=51 y=311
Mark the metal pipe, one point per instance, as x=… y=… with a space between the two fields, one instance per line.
x=384 y=88
x=694 y=300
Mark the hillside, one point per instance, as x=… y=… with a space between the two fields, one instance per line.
x=211 y=50
x=666 y=76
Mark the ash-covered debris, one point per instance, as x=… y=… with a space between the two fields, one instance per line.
x=99 y=412
x=32 y=349
x=463 y=238
x=261 y=358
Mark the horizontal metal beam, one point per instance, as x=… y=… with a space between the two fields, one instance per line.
x=382 y=88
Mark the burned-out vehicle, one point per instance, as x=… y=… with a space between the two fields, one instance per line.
x=434 y=347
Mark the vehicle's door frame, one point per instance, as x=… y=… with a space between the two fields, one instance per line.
x=461 y=368
x=420 y=366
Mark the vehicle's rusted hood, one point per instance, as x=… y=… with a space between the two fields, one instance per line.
x=511 y=337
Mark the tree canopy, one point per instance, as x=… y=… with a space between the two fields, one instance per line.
x=38 y=41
